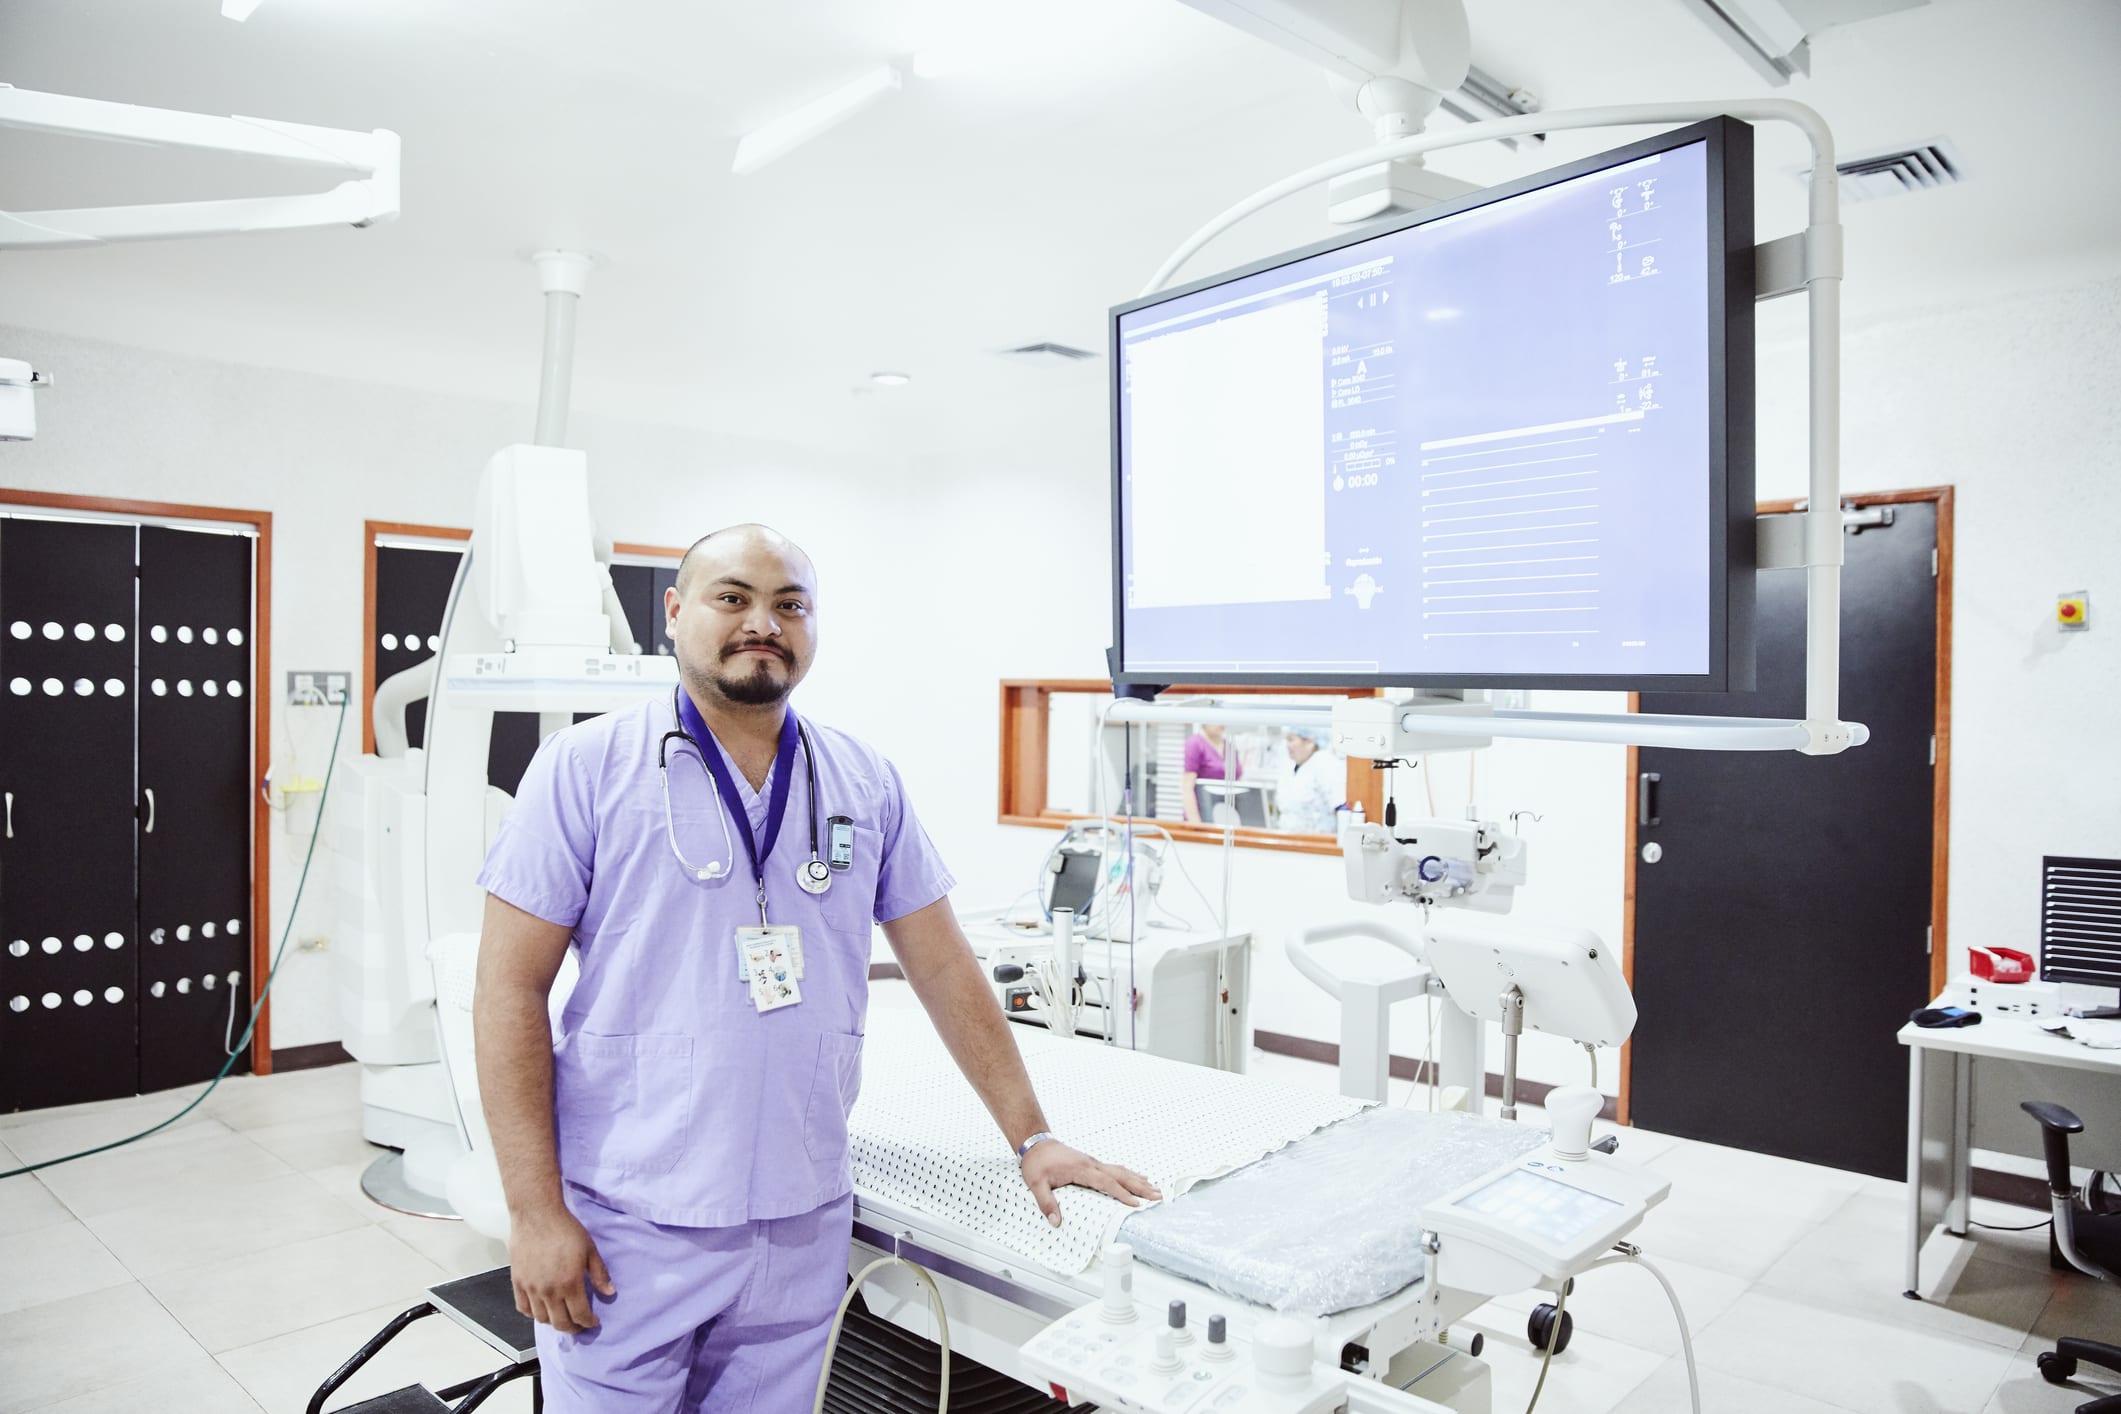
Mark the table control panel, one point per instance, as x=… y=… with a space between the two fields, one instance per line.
x=1118 y=1355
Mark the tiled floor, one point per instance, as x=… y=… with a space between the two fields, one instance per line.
x=230 y=1262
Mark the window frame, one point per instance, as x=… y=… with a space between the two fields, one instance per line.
x=1026 y=708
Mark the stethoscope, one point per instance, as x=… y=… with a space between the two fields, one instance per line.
x=813 y=875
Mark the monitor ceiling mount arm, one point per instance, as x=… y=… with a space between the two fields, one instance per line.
x=1384 y=39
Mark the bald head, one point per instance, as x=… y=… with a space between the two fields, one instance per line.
x=743 y=542
x=741 y=617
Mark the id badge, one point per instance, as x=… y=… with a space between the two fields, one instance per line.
x=769 y=972
x=787 y=936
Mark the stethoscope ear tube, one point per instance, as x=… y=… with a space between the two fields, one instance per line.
x=812 y=875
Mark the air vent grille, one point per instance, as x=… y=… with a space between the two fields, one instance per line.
x=1046 y=348
x=1912 y=169
x=2080 y=920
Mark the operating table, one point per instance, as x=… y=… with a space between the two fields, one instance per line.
x=935 y=1186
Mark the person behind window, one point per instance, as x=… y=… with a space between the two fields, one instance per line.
x=1310 y=789
x=1207 y=754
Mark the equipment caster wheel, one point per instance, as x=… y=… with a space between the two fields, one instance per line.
x=1541 y=1326
x=2056 y=1368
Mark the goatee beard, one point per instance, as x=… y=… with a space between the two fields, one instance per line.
x=757 y=688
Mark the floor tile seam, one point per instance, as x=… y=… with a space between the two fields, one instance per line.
x=173 y=1123
x=38 y=1168
x=402 y=1241
x=131 y=1278
x=61 y=1221
x=84 y=1218
x=1766 y=1376
x=1696 y=1331
x=1824 y=1299
x=219 y=1188
x=375 y=1218
x=184 y=1330
x=176 y=1273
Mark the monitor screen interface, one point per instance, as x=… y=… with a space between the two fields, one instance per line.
x=1540 y=1208
x=1480 y=445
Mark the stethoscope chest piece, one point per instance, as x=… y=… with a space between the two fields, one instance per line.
x=814 y=876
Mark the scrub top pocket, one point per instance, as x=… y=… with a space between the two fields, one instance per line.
x=624 y=1102
x=849 y=906
x=834 y=1083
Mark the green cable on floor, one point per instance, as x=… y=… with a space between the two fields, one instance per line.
x=301 y=884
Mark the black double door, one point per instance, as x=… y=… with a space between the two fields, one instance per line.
x=412 y=596
x=125 y=735
x=1782 y=934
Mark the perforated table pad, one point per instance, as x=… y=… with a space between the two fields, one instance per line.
x=921 y=1139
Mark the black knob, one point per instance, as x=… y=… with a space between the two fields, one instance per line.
x=1008 y=972
x=1218 y=1330
x=1176 y=1316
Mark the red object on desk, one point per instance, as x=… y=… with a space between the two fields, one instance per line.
x=2001 y=964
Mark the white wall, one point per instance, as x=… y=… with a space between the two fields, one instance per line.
x=927 y=597
x=944 y=573
x=2014 y=405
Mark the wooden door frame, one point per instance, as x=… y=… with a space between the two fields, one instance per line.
x=261 y=714
x=370 y=529
x=1941 y=775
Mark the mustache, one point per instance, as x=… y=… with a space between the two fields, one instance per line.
x=735 y=648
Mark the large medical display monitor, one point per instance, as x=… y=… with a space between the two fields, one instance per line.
x=1505 y=442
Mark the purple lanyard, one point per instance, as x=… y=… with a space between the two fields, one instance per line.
x=725 y=783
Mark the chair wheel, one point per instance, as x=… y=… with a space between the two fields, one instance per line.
x=2055 y=1367
x=1541 y=1326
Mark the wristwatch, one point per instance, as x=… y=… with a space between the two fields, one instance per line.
x=1024 y=1148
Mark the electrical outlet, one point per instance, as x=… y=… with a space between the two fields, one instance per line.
x=317 y=689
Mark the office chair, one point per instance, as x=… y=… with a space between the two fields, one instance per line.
x=2088 y=1239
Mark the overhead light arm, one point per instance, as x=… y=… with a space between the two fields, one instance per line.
x=369 y=197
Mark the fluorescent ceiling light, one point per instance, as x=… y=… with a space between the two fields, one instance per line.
x=791 y=130
x=891 y=380
x=239 y=10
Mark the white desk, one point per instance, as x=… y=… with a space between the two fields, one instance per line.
x=1940 y=1107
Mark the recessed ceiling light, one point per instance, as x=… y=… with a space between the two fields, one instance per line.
x=891 y=380
x=238 y=10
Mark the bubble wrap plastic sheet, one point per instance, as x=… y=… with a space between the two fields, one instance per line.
x=1331 y=1223
x=920 y=1137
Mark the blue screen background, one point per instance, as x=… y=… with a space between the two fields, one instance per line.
x=1514 y=465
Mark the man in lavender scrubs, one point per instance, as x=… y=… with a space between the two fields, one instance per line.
x=675 y=1160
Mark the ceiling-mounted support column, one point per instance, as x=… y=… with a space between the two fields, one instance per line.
x=564 y=274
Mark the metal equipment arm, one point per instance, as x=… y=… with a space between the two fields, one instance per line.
x=369 y=197
x=1821 y=732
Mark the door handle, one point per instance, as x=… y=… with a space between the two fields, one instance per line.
x=10 y=814
x=1646 y=798
x=150 y=810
